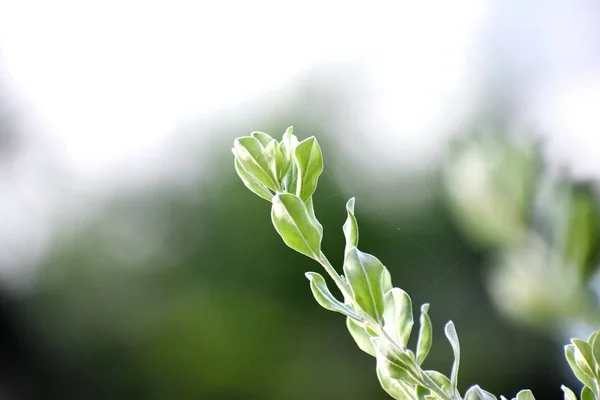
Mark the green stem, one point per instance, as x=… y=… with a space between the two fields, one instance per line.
x=343 y=286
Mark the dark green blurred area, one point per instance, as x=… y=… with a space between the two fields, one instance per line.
x=187 y=292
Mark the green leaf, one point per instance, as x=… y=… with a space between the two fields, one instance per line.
x=425 y=335
x=289 y=142
x=440 y=380
x=368 y=280
x=311 y=211
x=525 y=395
x=288 y=171
x=584 y=357
x=274 y=156
x=570 y=356
x=569 y=395
x=350 y=227
x=450 y=331
x=263 y=138
x=253 y=159
x=360 y=336
x=587 y=394
x=423 y=393
x=295 y=225
x=595 y=343
x=398 y=316
x=397 y=389
x=394 y=363
x=309 y=161
x=477 y=393
x=325 y=298
x=251 y=182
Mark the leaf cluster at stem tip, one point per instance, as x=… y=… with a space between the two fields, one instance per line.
x=379 y=316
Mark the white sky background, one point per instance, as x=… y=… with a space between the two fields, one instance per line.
x=166 y=60
x=111 y=79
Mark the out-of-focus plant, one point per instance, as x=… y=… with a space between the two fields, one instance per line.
x=378 y=315
x=489 y=183
x=542 y=225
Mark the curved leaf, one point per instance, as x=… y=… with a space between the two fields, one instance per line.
x=525 y=395
x=399 y=390
x=584 y=357
x=252 y=157
x=587 y=394
x=570 y=356
x=477 y=393
x=311 y=211
x=594 y=341
x=252 y=183
x=425 y=335
x=324 y=297
x=263 y=138
x=360 y=336
x=295 y=225
x=394 y=363
x=350 y=227
x=288 y=172
x=569 y=394
x=368 y=280
x=398 y=316
x=440 y=380
x=309 y=161
x=274 y=157
x=450 y=331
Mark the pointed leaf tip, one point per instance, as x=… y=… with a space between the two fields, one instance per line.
x=350 y=205
x=450 y=332
x=525 y=395
x=425 y=338
x=309 y=162
x=569 y=394
x=477 y=393
x=350 y=227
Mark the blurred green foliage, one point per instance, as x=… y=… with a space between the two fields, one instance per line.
x=542 y=224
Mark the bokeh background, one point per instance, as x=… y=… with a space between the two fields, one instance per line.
x=135 y=265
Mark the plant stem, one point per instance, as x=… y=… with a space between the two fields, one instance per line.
x=343 y=286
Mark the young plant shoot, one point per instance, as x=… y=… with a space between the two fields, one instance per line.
x=378 y=315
